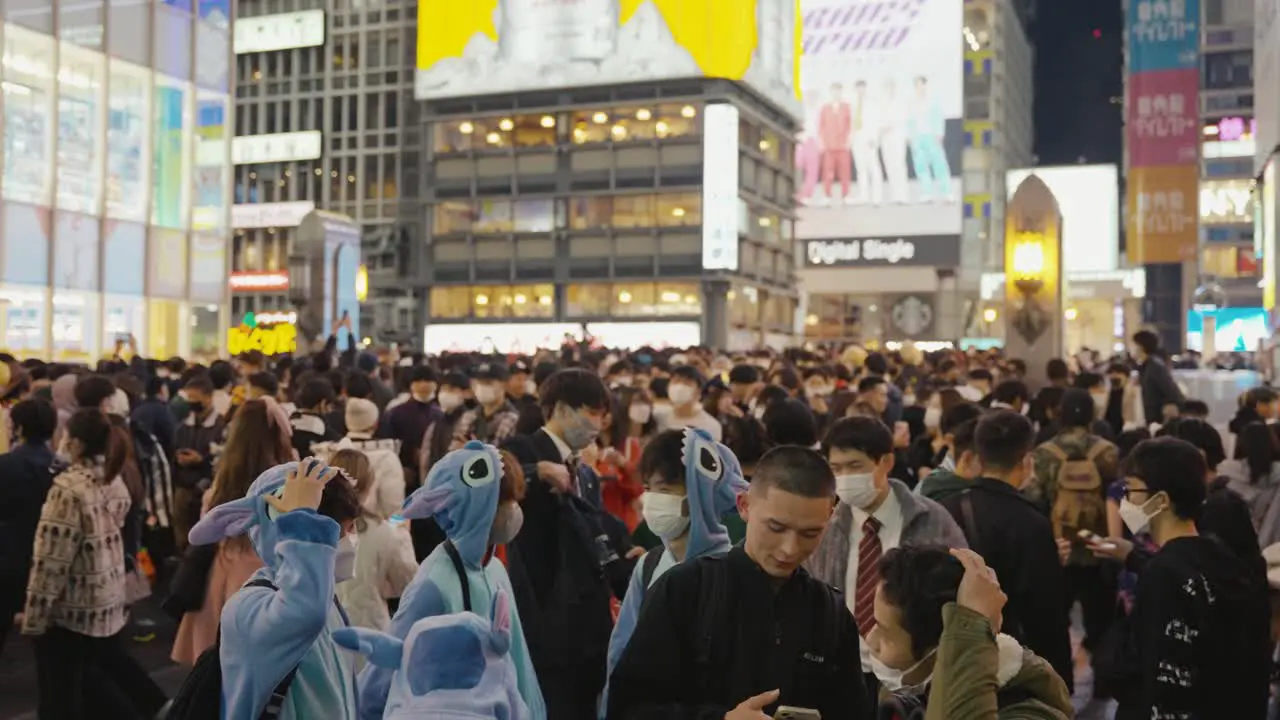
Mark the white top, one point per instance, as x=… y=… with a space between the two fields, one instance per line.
x=561 y=446
x=385 y=564
x=668 y=420
x=890 y=516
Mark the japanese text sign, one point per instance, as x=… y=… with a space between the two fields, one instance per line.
x=1163 y=35
x=1163 y=118
x=1163 y=212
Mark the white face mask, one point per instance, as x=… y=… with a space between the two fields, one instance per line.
x=486 y=394
x=932 y=418
x=622 y=381
x=449 y=400
x=892 y=679
x=530 y=387
x=665 y=515
x=1135 y=516
x=680 y=394
x=640 y=414
x=857 y=490
x=344 y=563
x=1099 y=403
x=818 y=390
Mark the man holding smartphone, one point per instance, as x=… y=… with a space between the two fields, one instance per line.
x=750 y=634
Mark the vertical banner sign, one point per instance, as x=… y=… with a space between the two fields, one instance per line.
x=1163 y=130
x=720 y=188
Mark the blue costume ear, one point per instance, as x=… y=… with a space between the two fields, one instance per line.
x=381 y=649
x=425 y=502
x=500 y=632
x=227 y=520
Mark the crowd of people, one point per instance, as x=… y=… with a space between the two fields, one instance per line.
x=586 y=533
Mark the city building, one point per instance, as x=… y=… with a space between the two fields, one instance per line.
x=1227 y=261
x=116 y=181
x=904 y=259
x=325 y=120
x=646 y=198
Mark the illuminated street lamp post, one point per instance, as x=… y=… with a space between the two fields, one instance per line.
x=1033 y=277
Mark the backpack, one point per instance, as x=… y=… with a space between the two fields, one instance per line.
x=1081 y=502
x=200 y=697
x=651 y=561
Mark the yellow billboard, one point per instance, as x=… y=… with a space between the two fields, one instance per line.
x=478 y=47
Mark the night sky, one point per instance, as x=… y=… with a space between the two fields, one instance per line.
x=1077 y=75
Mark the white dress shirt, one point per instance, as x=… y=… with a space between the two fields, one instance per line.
x=889 y=514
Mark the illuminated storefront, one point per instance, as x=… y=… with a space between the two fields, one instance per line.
x=106 y=235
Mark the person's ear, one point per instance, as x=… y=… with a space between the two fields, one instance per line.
x=744 y=503
x=885 y=464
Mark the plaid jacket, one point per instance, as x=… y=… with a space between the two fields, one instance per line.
x=494 y=429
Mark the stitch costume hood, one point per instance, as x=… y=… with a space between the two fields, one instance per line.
x=461 y=493
x=265 y=632
x=713 y=480
x=449 y=667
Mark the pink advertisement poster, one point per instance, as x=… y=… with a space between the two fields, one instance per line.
x=1163 y=125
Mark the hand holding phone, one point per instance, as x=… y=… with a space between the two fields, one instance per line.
x=1095 y=541
x=786 y=712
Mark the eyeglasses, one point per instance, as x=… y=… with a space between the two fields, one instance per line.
x=1128 y=491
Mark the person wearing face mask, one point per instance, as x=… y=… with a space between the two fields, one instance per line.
x=819 y=386
x=937 y=454
x=408 y=422
x=194 y=441
x=1200 y=611
x=26 y=472
x=620 y=375
x=1016 y=539
x=685 y=392
x=474 y=494
x=281 y=623
x=744 y=384
x=494 y=418
x=687 y=493
x=618 y=451
x=875 y=514
x=569 y=539
x=522 y=391
x=937 y=646
x=943 y=483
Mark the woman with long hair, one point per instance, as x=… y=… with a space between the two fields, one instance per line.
x=618 y=458
x=76 y=592
x=383 y=563
x=258 y=438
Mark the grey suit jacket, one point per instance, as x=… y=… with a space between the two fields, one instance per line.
x=924 y=522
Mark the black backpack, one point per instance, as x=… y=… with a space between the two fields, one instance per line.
x=200 y=697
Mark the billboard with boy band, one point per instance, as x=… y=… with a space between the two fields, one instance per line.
x=883 y=92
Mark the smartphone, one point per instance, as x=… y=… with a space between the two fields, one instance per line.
x=1096 y=541
x=786 y=712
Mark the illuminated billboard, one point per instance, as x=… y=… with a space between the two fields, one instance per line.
x=1226 y=201
x=480 y=47
x=883 y=119
x=1089 y=199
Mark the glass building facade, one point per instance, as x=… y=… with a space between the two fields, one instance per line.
x=582 y=209
x=117 y=176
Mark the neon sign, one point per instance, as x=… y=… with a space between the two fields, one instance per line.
x=269 y=339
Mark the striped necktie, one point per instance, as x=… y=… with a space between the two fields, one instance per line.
x=869 y=552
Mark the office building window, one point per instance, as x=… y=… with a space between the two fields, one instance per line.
x=493 y=302
x=678 y=210
x=634 y=123
x=1228 y=70
x=590 y=213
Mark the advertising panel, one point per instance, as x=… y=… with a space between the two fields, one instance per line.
x=492 y=46
x=522 y=338
x=260 y=215
x=1235 y=329
x=938 y=251
x=1226 y=201
x=883 y=119
x=1162 y=218
x=1089 y=199
x=1163 y=35
x=720 y=159
x=1163 y=132
x=276 y=147
x=1164 y=117
x=284 y=31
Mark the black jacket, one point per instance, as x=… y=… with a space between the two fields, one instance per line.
x=799 y=638
x=1201 y=634
x=24 y=482
x=561 y=566
x=1016 y=540
x=1158 y=389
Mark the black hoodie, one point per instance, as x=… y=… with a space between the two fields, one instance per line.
x=1201 y=634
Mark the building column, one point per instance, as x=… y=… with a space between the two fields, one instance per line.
x=1163 y=309
x=715 y=313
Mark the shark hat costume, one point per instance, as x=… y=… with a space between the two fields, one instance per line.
x=713 y=480
x=449 y=667
x=461 y=493
x=266 y=633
